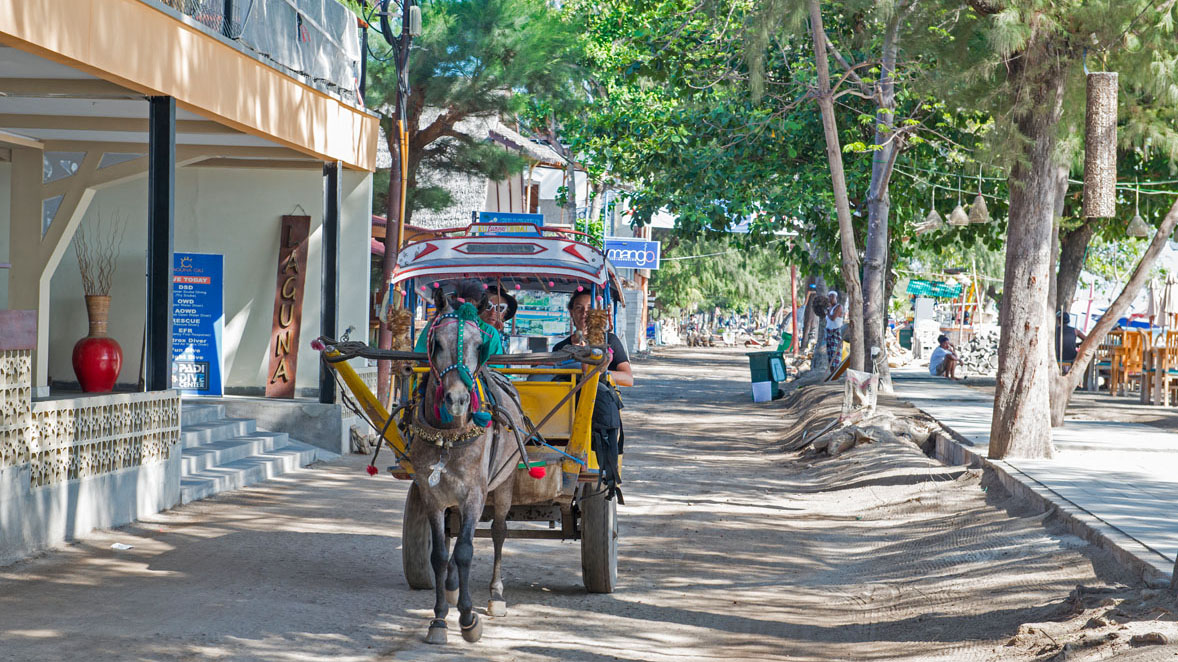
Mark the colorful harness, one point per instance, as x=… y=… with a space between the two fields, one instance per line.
x=463 y=316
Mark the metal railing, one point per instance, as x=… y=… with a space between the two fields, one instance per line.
x=317 y=39
x=224 y=16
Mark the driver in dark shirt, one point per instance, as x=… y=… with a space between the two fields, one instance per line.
x=619 y=365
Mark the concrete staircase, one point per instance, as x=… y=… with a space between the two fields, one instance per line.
x=221 y=453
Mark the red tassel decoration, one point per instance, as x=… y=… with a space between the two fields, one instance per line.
x=537 y=472
x=371 y=470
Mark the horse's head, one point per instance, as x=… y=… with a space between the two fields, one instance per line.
x=456 y=353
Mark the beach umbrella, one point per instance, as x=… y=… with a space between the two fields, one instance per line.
x=1169 y=300
x=1153 y=299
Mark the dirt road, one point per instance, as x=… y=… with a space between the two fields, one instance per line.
x=730 y=550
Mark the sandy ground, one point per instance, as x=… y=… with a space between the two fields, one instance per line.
x=731 y=550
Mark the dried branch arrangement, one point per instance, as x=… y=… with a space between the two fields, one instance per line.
x=98 y=253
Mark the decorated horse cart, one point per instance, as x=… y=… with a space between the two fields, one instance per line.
x=526 y=436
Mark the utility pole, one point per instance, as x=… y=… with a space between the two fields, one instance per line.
x=410 y=27
x=398 y=176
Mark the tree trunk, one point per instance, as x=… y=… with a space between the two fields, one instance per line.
x=1063 y=386
x=1073 y=246
x=878 y=208
x=1021 y=424
x=384 y=369
x=1061 y=190
x=850 y=255
x=812 y=321
x=816 y=319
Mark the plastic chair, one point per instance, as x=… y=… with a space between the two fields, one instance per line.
x=1106 y=359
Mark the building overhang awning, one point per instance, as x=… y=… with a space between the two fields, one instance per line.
x=77 y=72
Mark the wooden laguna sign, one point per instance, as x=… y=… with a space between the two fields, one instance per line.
x=288 y=306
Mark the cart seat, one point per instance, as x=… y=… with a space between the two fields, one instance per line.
x=538 y=398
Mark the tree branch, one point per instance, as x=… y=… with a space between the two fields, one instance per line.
x=1087 y=348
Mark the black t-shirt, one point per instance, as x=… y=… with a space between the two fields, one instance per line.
x=1066 y=343
x=615 y=344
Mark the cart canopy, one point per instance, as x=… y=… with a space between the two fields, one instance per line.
x=513 y=253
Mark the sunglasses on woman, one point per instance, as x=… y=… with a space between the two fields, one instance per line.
x=500 y=308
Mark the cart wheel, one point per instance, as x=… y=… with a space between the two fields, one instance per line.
x=599 y=543
x=416 y=543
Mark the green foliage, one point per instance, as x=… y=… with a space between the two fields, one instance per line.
x=1136 y=39
x=672 y=113
x=475 y=59
x=593 y=227
x=721 y=274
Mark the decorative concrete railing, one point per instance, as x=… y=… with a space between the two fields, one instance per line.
x=16 y=389
x=68 y=439
x=368 y=374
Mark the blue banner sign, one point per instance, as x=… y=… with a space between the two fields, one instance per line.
x=632 y=253
x=198 y=319
x=507 y=224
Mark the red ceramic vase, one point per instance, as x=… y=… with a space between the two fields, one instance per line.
x=97 y=357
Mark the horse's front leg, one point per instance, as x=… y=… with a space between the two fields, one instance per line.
x=501 y=499
x=472 y=627
x=438 y=559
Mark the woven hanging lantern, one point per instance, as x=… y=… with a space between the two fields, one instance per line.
x=1137 y=227
x=978 y=212
x=958 y=217
x=1100 y=146
x=933 y=221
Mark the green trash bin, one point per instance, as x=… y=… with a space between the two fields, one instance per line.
x=786 y=344
x=766 y=370
x=905 y=336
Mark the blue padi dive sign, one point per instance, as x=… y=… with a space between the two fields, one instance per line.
x=632 y=253
x=198 y=318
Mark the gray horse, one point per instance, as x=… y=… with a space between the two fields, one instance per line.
x=458 y=462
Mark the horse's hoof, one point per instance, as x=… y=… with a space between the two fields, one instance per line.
x=474 y=631
x=497 y=608
x=452 y=597
x=437 y=632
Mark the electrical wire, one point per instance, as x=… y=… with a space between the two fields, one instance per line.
x=727 y=252
x=951 y=189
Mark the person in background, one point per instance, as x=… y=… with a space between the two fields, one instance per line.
x=500 y=309
x=466 y=292
x=1067 y=337
x=943 y=362
x=834 y=330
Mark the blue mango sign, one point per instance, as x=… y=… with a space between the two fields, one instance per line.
x=198 y=320
x=633 y=253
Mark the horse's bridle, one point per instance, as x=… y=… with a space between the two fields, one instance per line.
x=468 y=377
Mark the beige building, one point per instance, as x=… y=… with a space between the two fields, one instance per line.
x=197 y=132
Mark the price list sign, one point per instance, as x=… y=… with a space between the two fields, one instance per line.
x=198 y=318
